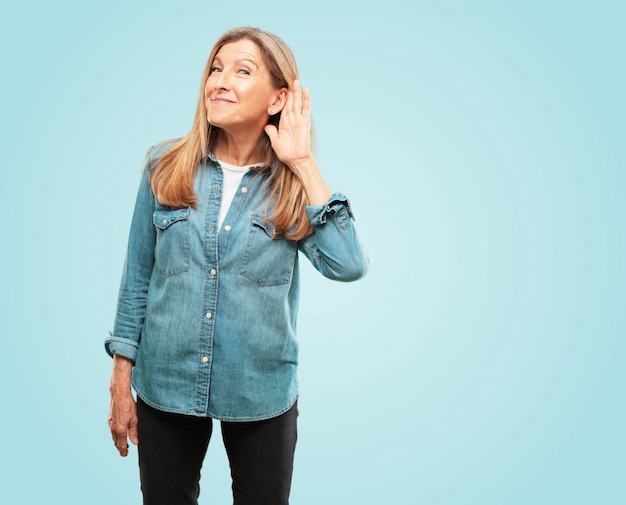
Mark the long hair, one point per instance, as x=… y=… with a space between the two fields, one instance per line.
x=173 y=172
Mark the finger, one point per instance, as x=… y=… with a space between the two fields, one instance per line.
x=133 y=433
x=288 y=103
x=122 y=448
x=121 y=444
x=114 y=435
x=297 y=96
x=272 y=132
x=119 y=432
x=306 y=102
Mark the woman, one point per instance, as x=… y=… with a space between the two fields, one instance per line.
x=207 y=307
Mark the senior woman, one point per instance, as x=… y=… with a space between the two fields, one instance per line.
x=206 y=318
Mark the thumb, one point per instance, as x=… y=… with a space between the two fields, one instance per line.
x=133 y=433
x=272 y=132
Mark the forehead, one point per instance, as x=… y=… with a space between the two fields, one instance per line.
x=242 y=49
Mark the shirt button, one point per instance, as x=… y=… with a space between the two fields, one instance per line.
x=205 y=359
x=244 y=190
x=165 y=221
x=208 y=315
x=227 y=227
x=213 y=271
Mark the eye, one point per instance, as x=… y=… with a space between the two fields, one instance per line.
x=215 y=69
x=244 y=71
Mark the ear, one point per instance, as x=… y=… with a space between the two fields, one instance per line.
x=278 y=101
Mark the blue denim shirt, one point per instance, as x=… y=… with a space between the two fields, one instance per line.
x=210 y=318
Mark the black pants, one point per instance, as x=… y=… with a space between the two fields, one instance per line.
x=172 y=448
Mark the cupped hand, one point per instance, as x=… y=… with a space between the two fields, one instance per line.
x=291 y=141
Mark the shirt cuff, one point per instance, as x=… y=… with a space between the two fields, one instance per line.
x=318 y=214
x=122 y=347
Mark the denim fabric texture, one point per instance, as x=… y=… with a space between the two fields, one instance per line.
x=210 y=318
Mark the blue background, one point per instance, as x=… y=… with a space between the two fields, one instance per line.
x=482 y=359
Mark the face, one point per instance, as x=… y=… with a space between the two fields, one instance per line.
x=239 y=90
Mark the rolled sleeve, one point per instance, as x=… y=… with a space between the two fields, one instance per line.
x=338 y=205
x=334 y=249
x=122 y=347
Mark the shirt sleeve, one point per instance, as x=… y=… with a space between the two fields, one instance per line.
x=334 y=249
x=138 y=266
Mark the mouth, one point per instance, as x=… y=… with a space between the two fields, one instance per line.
x=218 y=100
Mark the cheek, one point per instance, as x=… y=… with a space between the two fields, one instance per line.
x=207 y=89
x=207 y=102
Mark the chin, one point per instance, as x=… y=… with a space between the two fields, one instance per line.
x=213 y=121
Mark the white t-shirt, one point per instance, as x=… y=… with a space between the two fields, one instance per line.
x=232 y=179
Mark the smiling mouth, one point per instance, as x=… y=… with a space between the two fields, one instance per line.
x=221 y=101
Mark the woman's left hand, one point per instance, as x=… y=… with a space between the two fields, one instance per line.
x=291 y=141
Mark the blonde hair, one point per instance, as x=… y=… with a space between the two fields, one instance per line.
x=173 y=172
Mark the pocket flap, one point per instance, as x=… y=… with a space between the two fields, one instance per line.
x=164 y=218
x=260 y=222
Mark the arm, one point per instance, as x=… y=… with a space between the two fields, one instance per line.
x=138 y=266
x=131 y=308
x=317 y=191
x=334 y=248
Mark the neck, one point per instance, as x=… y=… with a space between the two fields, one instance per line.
x=239 y=150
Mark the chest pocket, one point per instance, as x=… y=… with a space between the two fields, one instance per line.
x=267 y=261
x=172 y=242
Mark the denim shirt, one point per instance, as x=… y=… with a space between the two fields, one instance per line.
x=209 y=318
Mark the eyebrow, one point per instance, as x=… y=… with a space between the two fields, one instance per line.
x=239 y=60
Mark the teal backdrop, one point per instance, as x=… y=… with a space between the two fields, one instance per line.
x=481 y=361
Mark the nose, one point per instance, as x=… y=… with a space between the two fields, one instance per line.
x=221 y=82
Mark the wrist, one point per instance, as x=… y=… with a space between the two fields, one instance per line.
x=120 y=378
x=303 y=166
x=122 y=362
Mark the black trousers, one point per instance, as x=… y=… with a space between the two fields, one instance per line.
x=172 y=448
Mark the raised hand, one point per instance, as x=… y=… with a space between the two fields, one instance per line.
x=291 y=140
